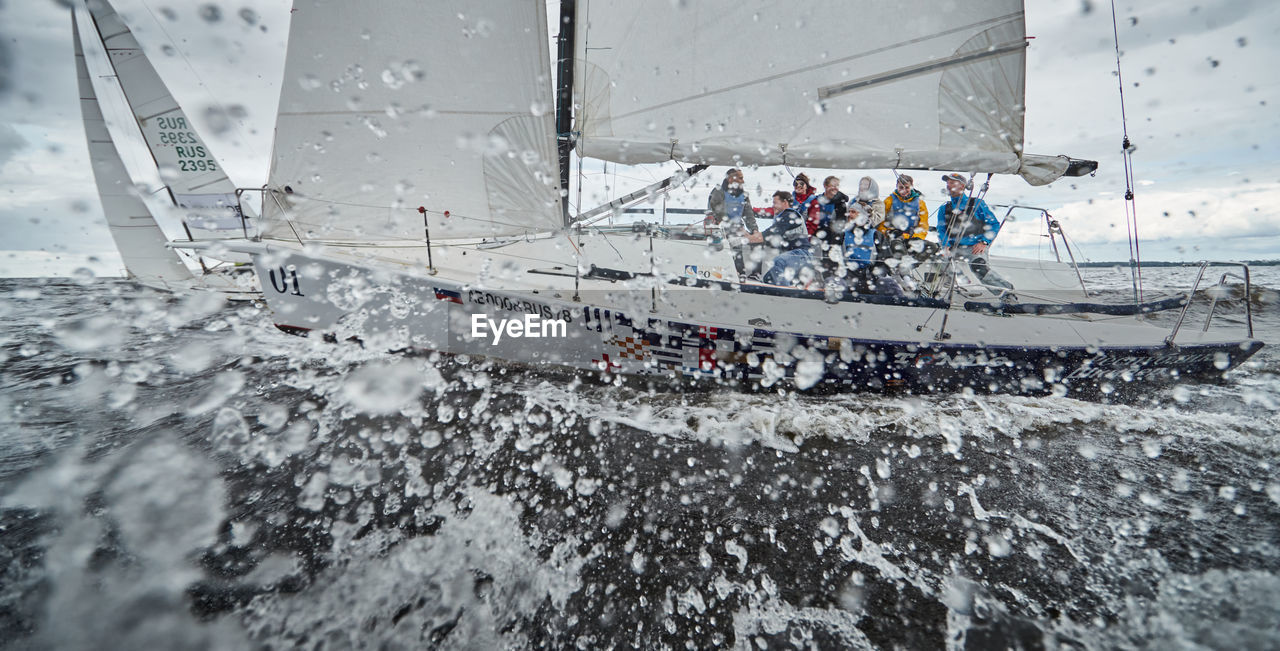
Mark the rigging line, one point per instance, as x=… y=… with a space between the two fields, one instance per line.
x=1131 y=209
x=785 y=166
x=582 y=112
x=605 y=236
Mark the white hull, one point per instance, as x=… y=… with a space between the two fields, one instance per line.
x=641 y=327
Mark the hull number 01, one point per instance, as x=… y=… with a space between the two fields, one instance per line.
x=284 y=280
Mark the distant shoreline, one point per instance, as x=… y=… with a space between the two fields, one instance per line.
x=1160 y=263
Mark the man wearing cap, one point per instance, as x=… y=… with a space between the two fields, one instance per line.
x=968 y=230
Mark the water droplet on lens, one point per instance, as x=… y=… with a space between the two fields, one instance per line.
x=383 y=388
x=211 y=13
x=1152 y=448
x=83 y=276
x=998 y=546
x=431 y=438
x=1087 y=450
x=217 y=119
x=309 y=82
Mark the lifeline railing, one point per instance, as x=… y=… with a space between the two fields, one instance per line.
x=1213 y=304
x=1055 y=230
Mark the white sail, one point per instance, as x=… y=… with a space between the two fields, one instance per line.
x=445 y=105
x=834 y=83
x=199 y=186
x=137 y=236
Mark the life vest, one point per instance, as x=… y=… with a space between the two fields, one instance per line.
x=802 y=207
x=958 y=222
x=734 y=207
x=826 y=210
x=903 y=212
x=860 y=246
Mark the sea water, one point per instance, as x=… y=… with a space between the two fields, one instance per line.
x=176 y=473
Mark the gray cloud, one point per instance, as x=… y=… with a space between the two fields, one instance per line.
x=72 y=223
x=6 y=63
x=10 y=141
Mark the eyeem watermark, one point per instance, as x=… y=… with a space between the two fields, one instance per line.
x=532 y=326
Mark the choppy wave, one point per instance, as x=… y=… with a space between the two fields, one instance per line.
x=178 y=474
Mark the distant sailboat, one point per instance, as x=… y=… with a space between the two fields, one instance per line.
x=415 y=195
x=205 y=198
x=138 y=238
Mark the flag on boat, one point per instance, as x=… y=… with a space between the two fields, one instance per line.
x=448 y=295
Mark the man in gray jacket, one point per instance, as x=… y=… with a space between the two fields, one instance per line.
x=731 y=208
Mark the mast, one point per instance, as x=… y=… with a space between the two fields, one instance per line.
x=564 y=98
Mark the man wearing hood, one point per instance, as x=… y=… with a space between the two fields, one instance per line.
x=866 y=214
x=731 y=208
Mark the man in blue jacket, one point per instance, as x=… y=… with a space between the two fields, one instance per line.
x=794 y=264
x=968 y=231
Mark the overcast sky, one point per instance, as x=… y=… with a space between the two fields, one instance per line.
x=1202 y=92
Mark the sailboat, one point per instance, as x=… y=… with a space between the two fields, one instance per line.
x=198 y=192
x=417 y=193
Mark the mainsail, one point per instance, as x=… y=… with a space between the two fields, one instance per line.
x=137 y=236
x=196 y=179
x=833 y=83
x=445 y=105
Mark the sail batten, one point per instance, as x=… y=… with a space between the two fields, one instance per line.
x=837 y=83
x=903 y=73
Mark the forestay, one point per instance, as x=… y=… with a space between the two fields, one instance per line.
x=402 y=103
x=136 y=234
x=833 y=83
x=198 y=183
